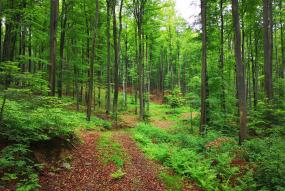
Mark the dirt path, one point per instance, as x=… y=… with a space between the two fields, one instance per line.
x=145 y=171
x=88 y=173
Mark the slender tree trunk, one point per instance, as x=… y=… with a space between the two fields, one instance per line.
x=138 y=13
x=141 y=68
x=204 y=82
x=61 y=50
x=30 y=50
x=179 y=68
x=92 y=62
x=241 y=86
x=282 y=44
x=267 y=25
x=76 y=75
x=0 y=31
x=116 y=39
x=126 y=71
x=108 y=83
x=137 y=70
x=223 y=99
x=53 y=30
x=253 y=72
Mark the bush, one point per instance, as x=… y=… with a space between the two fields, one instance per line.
x=187 y=155
x=174 y=99
x=269 y=157
x=19 y=167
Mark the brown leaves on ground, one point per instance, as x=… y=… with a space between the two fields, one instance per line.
x=163 y=124
x=88 y=172
x=218 y=143
x=139 y=169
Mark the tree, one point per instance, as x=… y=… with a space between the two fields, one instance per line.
x=53 y=30
x=267 y=26
x=117 y=39
x=223 y=101
x=204 y=79
x=91 y=67
x=241 y=87
x=138 y=14
x=62 y=44
x=108 y=85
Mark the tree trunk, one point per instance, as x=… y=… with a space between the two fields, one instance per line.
x=30 y=50
x=116 y=39
x=241 y=87
x=62 y=42
x=108 y=83
x=282 y=45
x=223 y=99
x=126 y=71
x=138 y=13
x=53 y=29
x=92 y=62
x=8 y=51
x=267 y=25
x=204 y=82
x=1 y=31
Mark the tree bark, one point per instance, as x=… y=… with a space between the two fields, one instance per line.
x=53 y=30
x=223 y=99
x=267 y=25
x=108 y=83
x=116 y=38
x=204 y=79
x=61 y=49
x=92 y=62
x=138 y=13
x=241 y=87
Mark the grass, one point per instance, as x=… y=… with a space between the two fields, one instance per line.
x=110 y=150
x=172 y=182
x=185 y=152
x=112 y=153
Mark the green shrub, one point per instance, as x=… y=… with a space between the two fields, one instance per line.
x=172 y=182
x=269 y=155
x=174 y=98
x=18 y=166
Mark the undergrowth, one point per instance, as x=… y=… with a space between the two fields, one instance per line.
x=209 y=160
x=112 y=153
x=26 y=123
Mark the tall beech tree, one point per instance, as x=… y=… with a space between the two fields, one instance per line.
x=91 y=67
x=268 y=46
x=241 y=86
x=139 y=8
x=53 y=30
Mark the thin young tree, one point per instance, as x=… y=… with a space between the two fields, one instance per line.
x=108 y=71
x=223 y=101
x=204 y=80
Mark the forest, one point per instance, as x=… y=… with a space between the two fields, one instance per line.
x=130 y=95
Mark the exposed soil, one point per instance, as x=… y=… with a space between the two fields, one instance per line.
x=145 y=172
x=89 y=173
x=164 y=124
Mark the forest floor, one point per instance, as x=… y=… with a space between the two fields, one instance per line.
x=110 y=161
